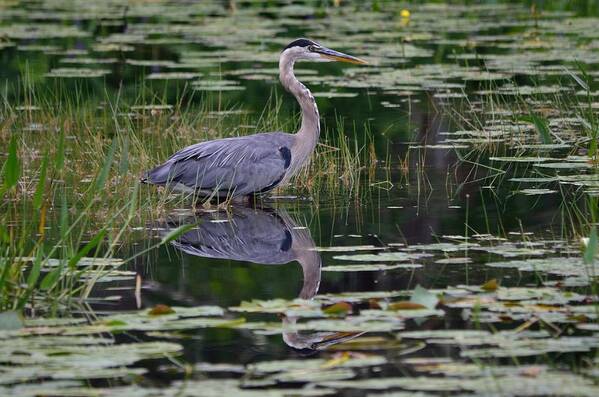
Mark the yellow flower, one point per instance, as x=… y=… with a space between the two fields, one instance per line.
x=404 y=13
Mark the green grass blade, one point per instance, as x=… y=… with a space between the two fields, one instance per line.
x=174 y=234
x=41 y=184
x=5 y=265
x=105 y=171
x=124 y=162
x=86 y=249
x=59 y=157
x=35 y=269
x=64 y=216
x=12 y=168
x=578 y=80
x=32 y=278
x=542 y=126
x=134 y=199
x=591 y=248
x=51 y=278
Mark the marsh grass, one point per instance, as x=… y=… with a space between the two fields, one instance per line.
x=71 y=185
x=552 y=125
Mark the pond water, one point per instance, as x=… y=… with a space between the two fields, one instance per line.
x=457 y=269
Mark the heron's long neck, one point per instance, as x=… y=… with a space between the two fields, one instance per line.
x=307 y=135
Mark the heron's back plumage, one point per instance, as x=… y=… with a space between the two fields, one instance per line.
x=231 y=166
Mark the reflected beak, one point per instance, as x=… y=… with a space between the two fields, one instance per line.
x=334 y=338
x=339 y=56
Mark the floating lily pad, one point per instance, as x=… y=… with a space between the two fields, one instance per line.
x=172 y=76
x=349 y=248
x=370 y=267
x=557 y=266
x=77 y=73
x=536 y=192
x=454 y=261
x=565 y=165
x=383 y=257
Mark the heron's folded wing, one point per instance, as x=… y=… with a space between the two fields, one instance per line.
x=242 y=165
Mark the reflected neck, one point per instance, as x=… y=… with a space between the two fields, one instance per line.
x=309 y=132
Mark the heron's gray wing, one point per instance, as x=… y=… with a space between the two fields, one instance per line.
x=243 y=165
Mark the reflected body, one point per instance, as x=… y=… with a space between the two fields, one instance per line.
x=263 y=236
x=258 y=163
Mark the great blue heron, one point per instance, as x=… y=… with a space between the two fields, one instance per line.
x=254 y=164
x=267 y=237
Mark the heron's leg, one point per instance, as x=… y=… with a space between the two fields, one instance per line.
x=241 y=200
x=252 y=200
x=205 y=202
x=202 y=203
x=224 y=206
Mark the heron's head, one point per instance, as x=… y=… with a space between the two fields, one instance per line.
x=312 y=51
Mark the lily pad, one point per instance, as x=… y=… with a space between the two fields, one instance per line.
x=383 y=257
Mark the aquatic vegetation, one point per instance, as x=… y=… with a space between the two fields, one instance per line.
x=442 y=241
x=74 y=337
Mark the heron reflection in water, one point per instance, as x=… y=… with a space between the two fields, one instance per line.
x=268 y=237
x=255 y=164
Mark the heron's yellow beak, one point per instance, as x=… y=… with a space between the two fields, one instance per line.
x=339 y=56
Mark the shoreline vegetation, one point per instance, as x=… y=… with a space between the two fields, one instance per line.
x=76 y=163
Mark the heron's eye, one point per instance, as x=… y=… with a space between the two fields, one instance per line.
x=311 y=48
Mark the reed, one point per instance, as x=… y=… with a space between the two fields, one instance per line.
x=533 y=121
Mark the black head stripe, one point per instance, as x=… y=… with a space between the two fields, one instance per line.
x=300 y=43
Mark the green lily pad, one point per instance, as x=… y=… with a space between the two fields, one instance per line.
x=368 y=267
x=383 y=257
x=77 y=73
